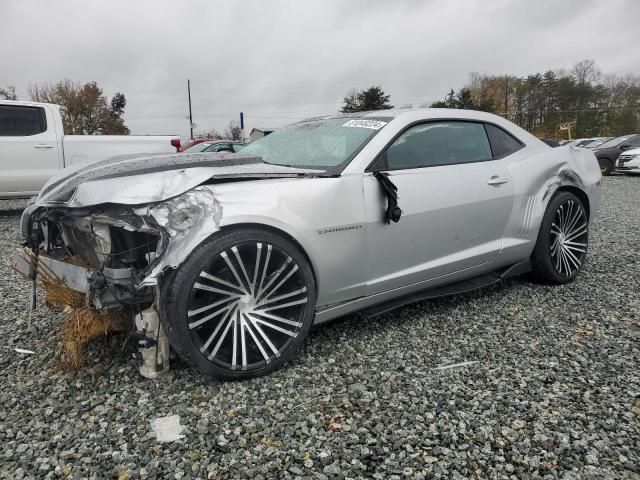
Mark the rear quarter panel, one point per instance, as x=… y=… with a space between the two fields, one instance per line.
x=538 y=175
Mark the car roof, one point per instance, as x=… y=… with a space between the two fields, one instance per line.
x=410 y=115
x=415 y=114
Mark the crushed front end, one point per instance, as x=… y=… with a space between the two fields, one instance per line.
x=108 y=251
x=110 y=231
x=114 y=255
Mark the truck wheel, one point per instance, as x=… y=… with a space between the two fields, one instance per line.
x=240 y=305
x=606 y=166
x=562 y=242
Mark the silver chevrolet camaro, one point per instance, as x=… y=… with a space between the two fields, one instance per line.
x=234 y=256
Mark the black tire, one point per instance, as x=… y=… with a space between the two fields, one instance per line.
x=607 y=166
x=233 y=337
x=558 y=257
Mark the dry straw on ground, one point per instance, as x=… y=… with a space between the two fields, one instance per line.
x=80 y=324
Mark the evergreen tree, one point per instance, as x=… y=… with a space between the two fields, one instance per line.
x=373 y=98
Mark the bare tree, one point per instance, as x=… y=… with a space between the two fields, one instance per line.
x=8 y=93
x=233 y=131
x=585 y=71
x=213 y=133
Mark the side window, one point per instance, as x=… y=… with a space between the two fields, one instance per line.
x=634 y=143
x=21 y=121
x=502 y=143
x=439 y=143
x=225 y=147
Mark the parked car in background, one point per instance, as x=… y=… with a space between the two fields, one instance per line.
x=629 y=162
x=235 y=256
x=579 y=142
x=596 y=143
x=195 y=141
x=33 y=146
x=216 y=146
x=608 y=153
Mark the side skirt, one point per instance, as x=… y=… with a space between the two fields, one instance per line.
x=463 y=286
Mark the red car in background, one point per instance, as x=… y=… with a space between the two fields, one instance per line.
x=194 y=141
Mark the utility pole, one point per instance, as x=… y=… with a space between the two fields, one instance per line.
x=190 y=115
x=242 y=126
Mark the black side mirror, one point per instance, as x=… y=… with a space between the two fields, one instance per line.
x=624 y=147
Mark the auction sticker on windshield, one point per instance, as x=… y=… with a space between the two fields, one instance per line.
x=373 y=124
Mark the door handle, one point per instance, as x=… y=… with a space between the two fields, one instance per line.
x=43 y=146
x=497 y=180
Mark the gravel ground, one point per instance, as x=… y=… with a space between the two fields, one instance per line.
x=555 y=392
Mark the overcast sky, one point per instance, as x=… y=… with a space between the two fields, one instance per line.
x=280 y=61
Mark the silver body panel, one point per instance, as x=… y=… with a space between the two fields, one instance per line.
x=457 y=223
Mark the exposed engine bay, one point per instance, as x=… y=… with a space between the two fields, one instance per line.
x=114 y=254
x=116 y=251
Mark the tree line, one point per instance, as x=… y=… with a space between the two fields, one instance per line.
x=599 y=104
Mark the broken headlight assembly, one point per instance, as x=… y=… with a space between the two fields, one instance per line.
x=184 y=218
x=184 y=212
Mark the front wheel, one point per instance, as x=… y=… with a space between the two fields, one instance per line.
x=607 y=166
x=240 y=305
x=563 y=238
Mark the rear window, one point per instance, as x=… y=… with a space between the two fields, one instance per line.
x=502 y=143
x=21 y=121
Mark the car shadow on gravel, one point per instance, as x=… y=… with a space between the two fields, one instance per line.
x=406 y=313
x=11 y=212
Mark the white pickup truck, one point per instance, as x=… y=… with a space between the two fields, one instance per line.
x=33 y=146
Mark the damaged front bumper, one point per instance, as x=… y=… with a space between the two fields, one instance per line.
x=104 y=288
x=115 y=255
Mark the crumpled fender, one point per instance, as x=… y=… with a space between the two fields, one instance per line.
x=578 y=169
x=555 y=168
x=203 y=211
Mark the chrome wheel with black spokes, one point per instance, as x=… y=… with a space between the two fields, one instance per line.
x=563 y=239
x=246 y=305
x=569 y=235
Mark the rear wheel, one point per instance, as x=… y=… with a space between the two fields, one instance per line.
x=606 y=166
x=240 y=305
x=562 y=242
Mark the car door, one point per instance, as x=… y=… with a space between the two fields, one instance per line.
x=456 y=200
x=29 y=152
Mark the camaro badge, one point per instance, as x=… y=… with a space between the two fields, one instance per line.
x=342 y=228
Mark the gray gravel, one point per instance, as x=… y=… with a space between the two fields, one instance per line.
x=556 y=392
